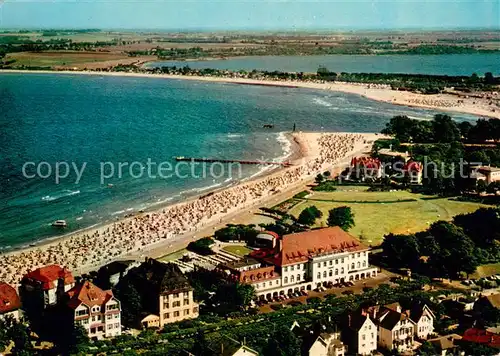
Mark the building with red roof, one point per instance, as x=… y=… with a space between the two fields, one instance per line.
x=482 y=336
x=98 y=311
x=303 y=261
x=44 y=286
x=365 y=167
x=10 y=304
x=414 y=171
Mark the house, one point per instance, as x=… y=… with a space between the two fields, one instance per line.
x=98 y=311
x=110 y=274
x=487 y=302
x=424 y=318
x=396 y=330
x=360 y=334
x=414 y=171
x=165 y=293
x=10 y=304
x=43 y=287
x=303 y=261
x=481 y=336
x=319 y=340
x=365 y=167
x=492 y=174
x=230 y=347
x=387 y=154
x=445 y=345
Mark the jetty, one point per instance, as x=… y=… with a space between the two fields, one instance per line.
x=213 y=160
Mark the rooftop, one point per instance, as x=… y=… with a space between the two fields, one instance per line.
x=49 y=274
x=9 y=300
x=89 y=294
x=244 y=262
x=301 y=246
x=488 y=169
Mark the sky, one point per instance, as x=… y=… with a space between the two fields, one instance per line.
x=250 y=14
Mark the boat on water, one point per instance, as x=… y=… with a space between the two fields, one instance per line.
x=59 y=223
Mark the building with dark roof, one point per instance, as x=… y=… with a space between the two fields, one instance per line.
x=10 y=304
x=360 y=334
x=165 y=292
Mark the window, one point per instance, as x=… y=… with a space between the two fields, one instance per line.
x=330 y=273
x=319 y=275
x=286 y=280
x=166 y=305
x=109 y=317
x=82 y=312
x=264 y=285
x=292 y=279
x=186 y=302
x=353 y=266
x=359 y=264
x=176 y=304
x=186 y=312
x=357 y=255
x=342 y=259
x=342 y=270
x=336 y=271
x=186 y=294
x=324 y=274
x=324 y=264
x=336 y=262
x=176 y=295
x=298 y=277
x=176 y=314
x=291 y=268
x=277 y=282
x=285 y=269
x=363 y=337
x=364 y=263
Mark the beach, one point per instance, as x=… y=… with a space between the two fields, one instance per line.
x=160 y=232
x=480 y=105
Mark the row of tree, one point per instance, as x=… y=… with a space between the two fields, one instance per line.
x=447 y=249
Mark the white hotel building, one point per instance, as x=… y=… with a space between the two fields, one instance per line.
x=304 y=260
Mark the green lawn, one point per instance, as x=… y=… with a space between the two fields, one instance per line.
x=486 y=270
x=237 y=250
x=173 y=256
x=374 y=220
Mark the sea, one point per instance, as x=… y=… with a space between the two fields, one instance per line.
x=451 y=64
x=88 y=148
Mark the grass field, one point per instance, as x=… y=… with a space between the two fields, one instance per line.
x=237 y=250
x=486 y=270
x=66 y=59
x=173 y=256
x=381 y=213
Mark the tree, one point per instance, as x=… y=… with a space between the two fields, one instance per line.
x=319 y=178
x=465 y=128
x=341 y=216
x=282 y=342
x=400 y=127
x=130 y=299
x=402 y=250
x=427 y=349
x=201 y=346
x=309 y=215
x=20 y=335
x=445 y=129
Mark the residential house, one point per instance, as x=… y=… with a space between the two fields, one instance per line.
x=319 y=340
x=445 y=345
x=98 y=311
x=303 y=261
x=414 y=171
x=481 y=336
x=10 y=304
x=360 y=334
x=492 y=174
x=424 y=318
x=165 y=292
x=43 y=287
x=396 y=330
x=230 y=347
x=365 y=167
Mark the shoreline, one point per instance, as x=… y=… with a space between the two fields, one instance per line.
x=155 y=233
x=382 y=93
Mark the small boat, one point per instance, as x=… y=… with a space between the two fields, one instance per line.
x=59 y=223
x=268 y=126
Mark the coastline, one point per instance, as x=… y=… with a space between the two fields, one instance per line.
x=158 y=233
x=381 y=93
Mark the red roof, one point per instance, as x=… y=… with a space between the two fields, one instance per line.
x=366 y=162
x=88 y=294
x=482 y=337
x=413 y=166
x=49 y=274
x=299 y=247
x=9 y=300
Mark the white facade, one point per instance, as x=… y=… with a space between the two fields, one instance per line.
x=319 y=270
x=366 y=338
x=425 y=325
x=100 y=321
x=400 y=337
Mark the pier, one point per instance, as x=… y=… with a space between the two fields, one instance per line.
x=213 y=160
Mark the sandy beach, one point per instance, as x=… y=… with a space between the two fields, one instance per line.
x=488 y=105
x=160 y=232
